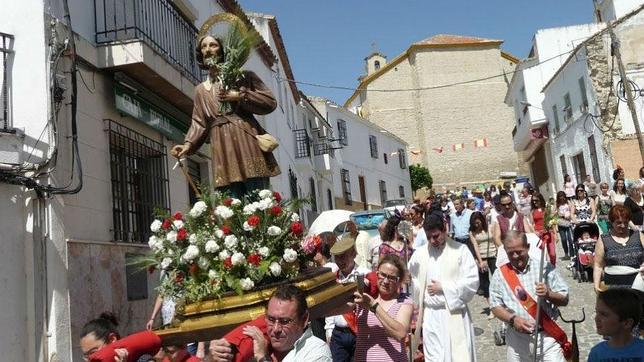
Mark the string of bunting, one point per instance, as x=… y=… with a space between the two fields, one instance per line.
x=457 y=147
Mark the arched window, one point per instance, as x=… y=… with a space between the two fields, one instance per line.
x=376 y=65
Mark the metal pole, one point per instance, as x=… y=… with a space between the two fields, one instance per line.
x=539 y=302
x=625 y=82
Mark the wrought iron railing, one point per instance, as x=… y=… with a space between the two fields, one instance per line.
x=158 y=23
x=6 y=52
x=302 y=144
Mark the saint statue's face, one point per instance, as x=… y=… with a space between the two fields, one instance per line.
x=210 y=48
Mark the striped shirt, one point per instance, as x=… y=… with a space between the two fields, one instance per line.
x=373 y=344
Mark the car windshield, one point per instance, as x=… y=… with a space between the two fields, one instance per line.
x=368 y=221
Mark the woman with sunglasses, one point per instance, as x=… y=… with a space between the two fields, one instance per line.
x=383 y=322
x=583 y=208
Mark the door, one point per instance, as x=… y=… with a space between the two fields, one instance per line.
x=363 y=192
x=580 y=167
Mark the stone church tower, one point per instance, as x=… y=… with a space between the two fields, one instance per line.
x=445 y=96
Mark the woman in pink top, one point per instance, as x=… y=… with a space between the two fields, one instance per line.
x=569 y=187
x=383 y=322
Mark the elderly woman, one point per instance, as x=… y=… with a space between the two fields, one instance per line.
x=619 y=254
x=383 y=322
x=635 y=203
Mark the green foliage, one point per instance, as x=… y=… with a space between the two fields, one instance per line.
x=420 y=177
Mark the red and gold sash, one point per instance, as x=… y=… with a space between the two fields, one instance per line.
x=530 y=306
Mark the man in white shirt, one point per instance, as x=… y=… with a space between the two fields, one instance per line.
x=374 y=246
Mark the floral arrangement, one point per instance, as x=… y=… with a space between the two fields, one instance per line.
x=226 y=244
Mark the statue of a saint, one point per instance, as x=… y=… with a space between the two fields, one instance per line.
x=238 y=163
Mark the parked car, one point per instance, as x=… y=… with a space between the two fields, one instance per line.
x=369 y=220
x=393 y=204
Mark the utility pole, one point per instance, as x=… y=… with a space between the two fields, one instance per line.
x=614 y=42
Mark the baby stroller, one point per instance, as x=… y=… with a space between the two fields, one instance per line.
x=585 y=251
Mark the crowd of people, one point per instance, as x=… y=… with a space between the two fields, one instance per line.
x=417 y=276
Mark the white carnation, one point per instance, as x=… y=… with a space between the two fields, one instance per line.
x=178 y=224
x=224 y=212
x=156 y=226
x=219 y=234
x=295 y=217
x=165 y=263
x=238 y=259
x=265 y=204
x=171 y=236
x=290 y=255
x=154 y=243
x=264 y=251
x=192 y=239
x=248 y=227
x=191 y=253
x=211 y=246
x=235 y=202
x=248 y=209
x=275 y=269
x=212 y=274
x=198 y=209
x=246 y=283
x=230 y=241
x=274 y=230
x=265 y=194
x=224 y=254
x=203 y=262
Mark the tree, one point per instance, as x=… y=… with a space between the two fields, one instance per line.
x=420 y=177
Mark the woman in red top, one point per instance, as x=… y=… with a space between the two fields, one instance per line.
x=538 y=212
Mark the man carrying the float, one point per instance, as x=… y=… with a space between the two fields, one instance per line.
x=514 y=291
x=444 y=279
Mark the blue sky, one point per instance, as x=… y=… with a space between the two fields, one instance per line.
x=327 y=40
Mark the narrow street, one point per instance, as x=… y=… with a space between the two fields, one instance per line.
x=581 y=295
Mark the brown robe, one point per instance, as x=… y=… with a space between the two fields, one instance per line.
x=236 y=155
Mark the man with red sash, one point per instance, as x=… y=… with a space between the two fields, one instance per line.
x=514 y=291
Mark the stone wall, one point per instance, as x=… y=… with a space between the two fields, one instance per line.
x=626 y=153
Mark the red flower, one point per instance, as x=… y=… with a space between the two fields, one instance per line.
x=179 y=278
x=228 y=263
x=152 y=268
x=225 y=229
x=254 y=259
x=253 y=220
x=276 y=210
x=297 y=228
x=194 y=269
x=277 y=196
x=182 y=234
x=228 y=201
x=177 y=216
x=166 y=224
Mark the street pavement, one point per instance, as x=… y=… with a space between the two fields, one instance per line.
x=581 y=295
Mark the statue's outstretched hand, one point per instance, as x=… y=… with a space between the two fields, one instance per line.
x=179 y=151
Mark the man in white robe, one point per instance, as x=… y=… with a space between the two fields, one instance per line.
x=444 y=279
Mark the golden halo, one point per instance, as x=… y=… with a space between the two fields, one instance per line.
x=218 y=18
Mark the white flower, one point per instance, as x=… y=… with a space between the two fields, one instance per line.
x=265 y=194
x=211 y=246
x=219 y=234
x=238 y=259
x=230 y=241
x=265 y=204
x=290 y=255
x=235 y=202
x=275 y=269
x=264 y=251
x=203 y=262
x=154 y=243
x=171 y=236
x=192 y=239
x=191 y=253
x=169 y=251
x=224 y=211
x=295 y=217
x=248 y=209
x=246 y=283
x=224 y=254
x=212 y=274
x=274 y=230
x=198 y=209
x=165 y=263
x=178 y=224
x=156 y=226
x=248 y=227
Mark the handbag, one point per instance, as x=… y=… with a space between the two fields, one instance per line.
x=266 y=142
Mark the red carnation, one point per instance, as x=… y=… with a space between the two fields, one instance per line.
x=253 y=220
x=228 y=201
x=194 y=269
x=179 y=278
x=276 y=210
x=166 y=224
x=177 y=216
x=277 y=196
x=182 y=234
x=225 y=229
x=297 y=228
x=228 y=263
x=152 y=268
x=254 y=259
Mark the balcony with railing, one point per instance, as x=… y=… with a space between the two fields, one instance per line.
x=132 y=34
